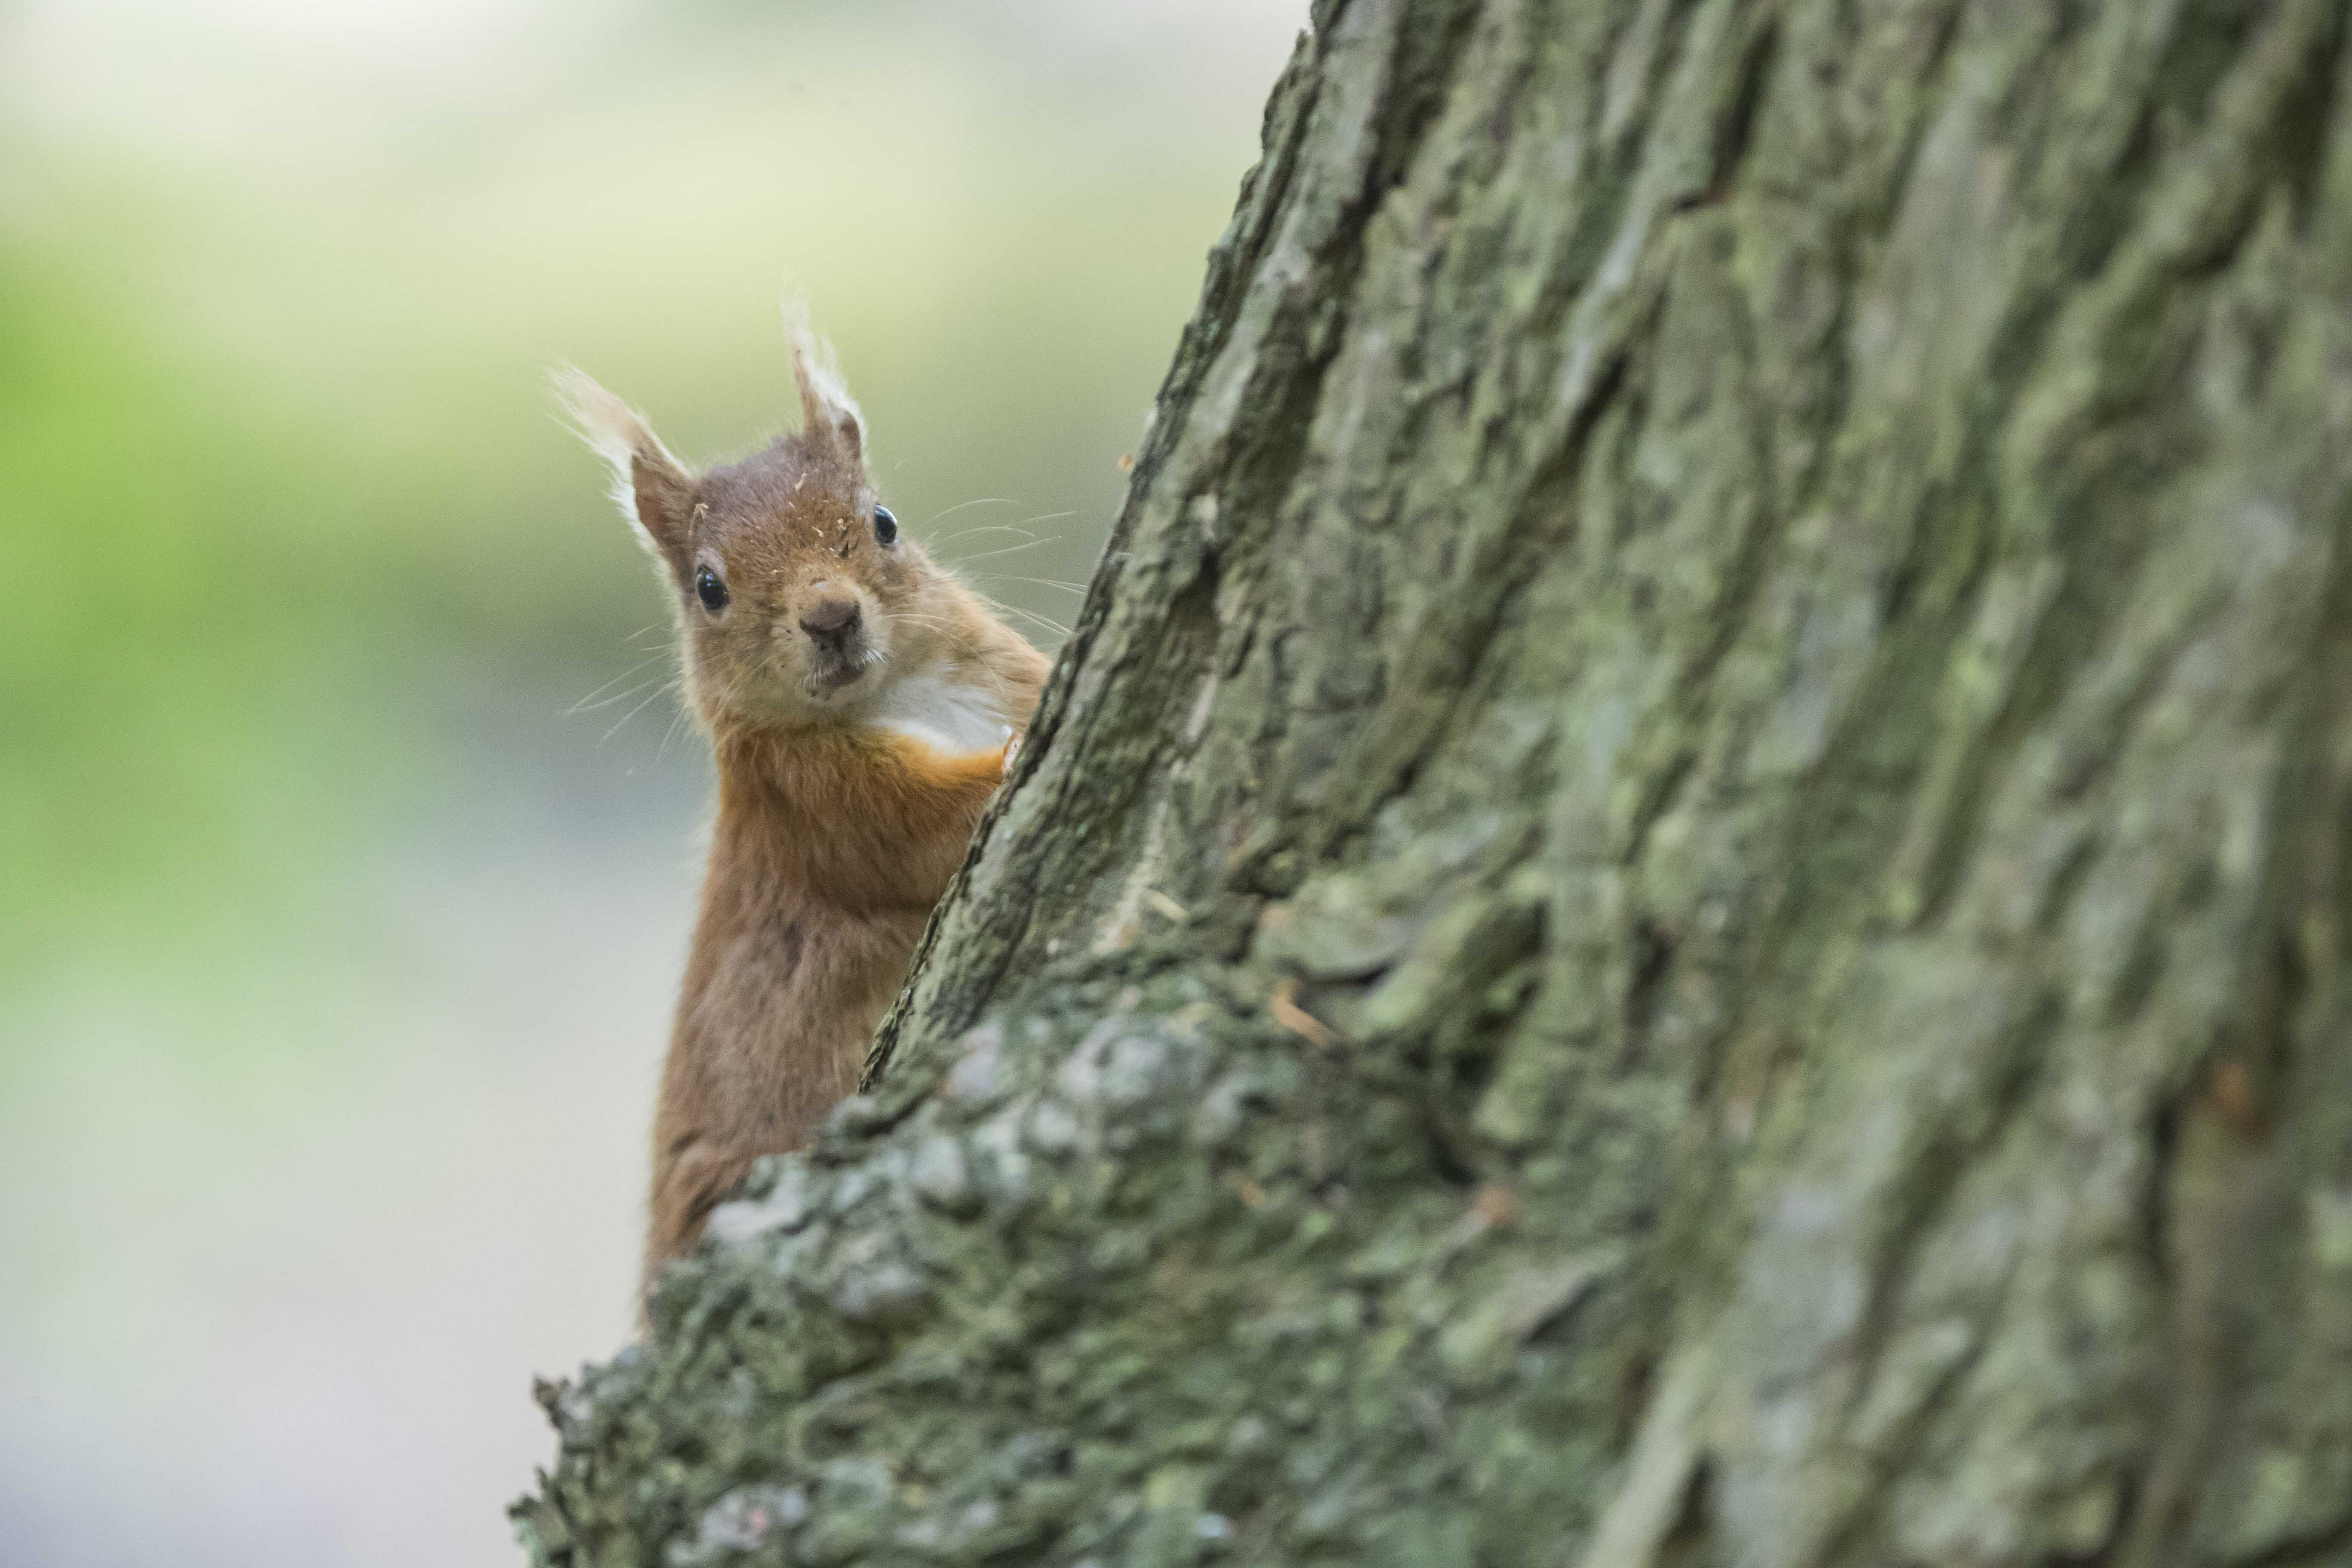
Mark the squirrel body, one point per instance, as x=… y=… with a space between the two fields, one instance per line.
x=861 y=703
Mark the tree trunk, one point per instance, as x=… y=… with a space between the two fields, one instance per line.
x=1684 y=898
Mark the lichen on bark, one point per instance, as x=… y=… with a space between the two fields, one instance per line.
x=1682 y=898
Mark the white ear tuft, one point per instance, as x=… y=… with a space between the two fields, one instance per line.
x=643 y=469
x=829 y=416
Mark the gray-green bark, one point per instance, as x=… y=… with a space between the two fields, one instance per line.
x=1684 y=897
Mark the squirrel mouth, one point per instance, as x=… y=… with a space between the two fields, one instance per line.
x=837 y=672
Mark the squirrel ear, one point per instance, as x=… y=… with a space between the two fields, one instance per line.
x=652 y=488
x=829 y=417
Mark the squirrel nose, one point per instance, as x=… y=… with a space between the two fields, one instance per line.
x=832 y=621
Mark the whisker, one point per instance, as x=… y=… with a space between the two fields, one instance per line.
x=1017 y=610
x=616 y=698
x=932 y=624
x=1021 y=528
x=669 y=733
x=590 y=701
x=640 y=707
x=962 y=533
x=1003 y=550
x=1078 y=588
x=610 y=685
x=1049 y=622
x=981 y=501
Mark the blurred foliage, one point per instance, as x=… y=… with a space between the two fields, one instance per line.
x=150 y=663
x=283 y=490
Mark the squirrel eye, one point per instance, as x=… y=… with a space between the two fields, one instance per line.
x=713 y=592
x=885 y=526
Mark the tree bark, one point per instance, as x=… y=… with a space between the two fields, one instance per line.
x=1684 y=897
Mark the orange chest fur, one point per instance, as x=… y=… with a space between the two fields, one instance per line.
x=859 y=820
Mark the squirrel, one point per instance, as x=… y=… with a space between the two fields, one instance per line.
x=862 y=706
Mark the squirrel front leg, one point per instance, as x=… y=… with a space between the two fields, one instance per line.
x=945 y=791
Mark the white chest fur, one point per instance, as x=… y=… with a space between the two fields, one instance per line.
x=945 y=714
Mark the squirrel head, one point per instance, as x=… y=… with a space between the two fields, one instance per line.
x=799 y=602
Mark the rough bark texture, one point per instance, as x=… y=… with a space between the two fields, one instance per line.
x=1686 y=897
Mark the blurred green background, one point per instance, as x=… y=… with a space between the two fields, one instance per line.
x=347 y=836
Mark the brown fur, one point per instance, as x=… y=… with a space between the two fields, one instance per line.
x=836 y=833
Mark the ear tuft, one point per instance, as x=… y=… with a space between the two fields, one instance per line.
x=652 y=487
x=829 y=417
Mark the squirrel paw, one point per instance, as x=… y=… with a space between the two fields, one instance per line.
x=1011 y=751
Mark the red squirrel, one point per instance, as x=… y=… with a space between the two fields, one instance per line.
x=861 y=705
